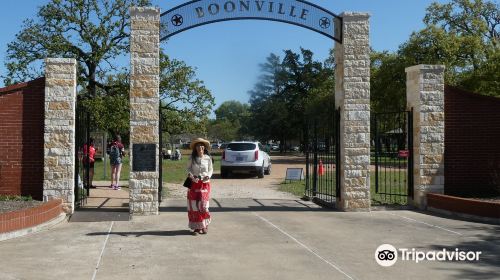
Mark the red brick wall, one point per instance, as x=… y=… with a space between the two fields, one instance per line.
x=21 y=138
x=30 y=217
x=464 y=205
x=472 y=143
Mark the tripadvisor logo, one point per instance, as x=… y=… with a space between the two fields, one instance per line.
x=387 y=255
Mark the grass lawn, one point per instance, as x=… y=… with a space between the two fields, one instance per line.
x=174 y=171
x=294 y=187
x=99 y=170
x=391 y=182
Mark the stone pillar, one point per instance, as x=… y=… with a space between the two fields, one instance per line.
x=352 y=96
x=144 y=102
x=425 y=94
x=59 y=135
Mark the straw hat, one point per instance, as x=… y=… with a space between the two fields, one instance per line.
x=199 y=140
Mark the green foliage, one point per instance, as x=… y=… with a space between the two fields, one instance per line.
x=15 y=198
x=462 y=35
x=230 y=123
x=110 y=113
x=387 y=82
x=231 y=111
x=93 y=32
x=185 y=101
x=290 y=91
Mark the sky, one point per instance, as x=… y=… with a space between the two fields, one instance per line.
x=227 y=55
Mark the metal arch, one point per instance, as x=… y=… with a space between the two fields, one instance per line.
x=336 y=20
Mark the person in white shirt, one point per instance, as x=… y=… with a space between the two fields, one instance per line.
x=200 y=171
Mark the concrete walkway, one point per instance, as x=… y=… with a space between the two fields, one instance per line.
x=251 y=239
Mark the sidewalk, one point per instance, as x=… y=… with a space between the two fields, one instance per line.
x=104 y=204
x=251 y=239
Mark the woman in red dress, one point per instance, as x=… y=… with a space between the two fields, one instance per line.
x=200 y=171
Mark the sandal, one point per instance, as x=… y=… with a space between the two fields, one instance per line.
x=195 y=232
x=204 y=231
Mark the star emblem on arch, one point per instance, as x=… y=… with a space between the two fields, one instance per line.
x=177 y=20
x=324 y=22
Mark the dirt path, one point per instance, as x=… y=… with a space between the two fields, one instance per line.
x=247 y=186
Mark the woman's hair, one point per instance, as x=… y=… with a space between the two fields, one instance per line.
x=91 y=141
x=118 y=138
x=194 y=154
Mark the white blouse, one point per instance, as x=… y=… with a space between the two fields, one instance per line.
x=200 y=166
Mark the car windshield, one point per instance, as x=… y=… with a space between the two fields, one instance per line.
x=240 y=146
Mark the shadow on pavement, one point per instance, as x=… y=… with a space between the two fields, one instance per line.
x=142 y=233
x=250 y=205
x=487 y=243
x=100 y=215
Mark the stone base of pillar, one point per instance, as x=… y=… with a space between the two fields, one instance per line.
x=420 y=197
x=354 y=205
x=143 y=196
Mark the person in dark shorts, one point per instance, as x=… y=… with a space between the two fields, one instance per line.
x=89 y=151
x=116 y=154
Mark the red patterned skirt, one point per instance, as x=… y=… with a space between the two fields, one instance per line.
x=198 y=197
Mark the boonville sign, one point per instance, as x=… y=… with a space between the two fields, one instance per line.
x=259 y=6
x=296 y=12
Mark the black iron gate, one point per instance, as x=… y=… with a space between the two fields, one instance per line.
x=321 y=138
x=160 y=157
x=82 y=163
x=392 y=157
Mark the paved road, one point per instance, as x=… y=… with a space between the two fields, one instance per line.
x=257 y=233
x=251 y=239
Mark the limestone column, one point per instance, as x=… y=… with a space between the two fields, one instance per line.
x=425 y=93
x=59 y=134
x=352 y=96
x=144 y=116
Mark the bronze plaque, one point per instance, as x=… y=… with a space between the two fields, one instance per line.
x=144 y=157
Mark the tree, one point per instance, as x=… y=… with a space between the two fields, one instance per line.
x=477 y=19
x=463 y=35
x=111 y=112
x=94 y=32
x=231 y=117
x=231 y=110
x=476 y=25
x=271 y=81
x=222 y=130
x=289 y=92
x=185 y=101
x=387 y=82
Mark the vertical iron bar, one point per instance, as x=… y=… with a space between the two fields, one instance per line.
x=315 y=162
x=410 y=149
x=377 y=150
x=77 y=158
x=306 y=150
x=337 y=153
x=87 y=162
x=160 y=157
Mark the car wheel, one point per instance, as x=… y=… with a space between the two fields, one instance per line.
x=260 y=172
x=268 y=170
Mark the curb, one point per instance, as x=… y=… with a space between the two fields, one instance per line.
x=462 y=216
x=37 y=228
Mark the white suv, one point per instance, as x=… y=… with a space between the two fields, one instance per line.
x=248 y=157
